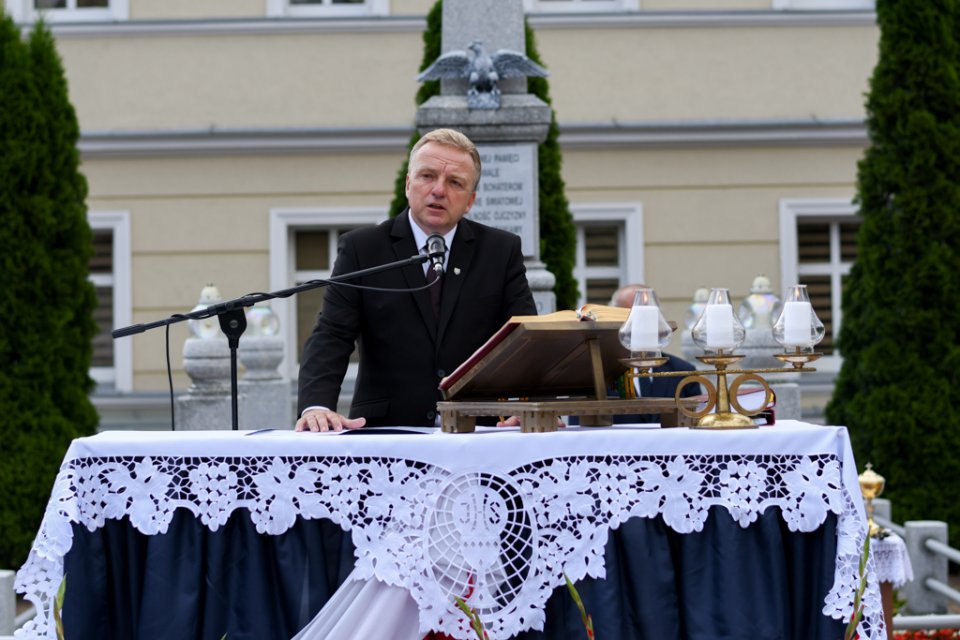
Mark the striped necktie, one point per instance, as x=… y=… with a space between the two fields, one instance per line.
x=435 y=289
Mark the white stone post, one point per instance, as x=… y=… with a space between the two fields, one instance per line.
x=882 y=508
x=8 y=603
x=206 y=359
x=267 y=402
x=926 y=564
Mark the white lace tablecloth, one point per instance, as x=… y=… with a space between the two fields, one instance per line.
x=891 y=560
x=499 y=515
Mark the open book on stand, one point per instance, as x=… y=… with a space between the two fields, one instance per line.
x=562 y=365
x=541 y=367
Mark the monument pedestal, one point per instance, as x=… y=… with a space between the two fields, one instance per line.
x=520 y=118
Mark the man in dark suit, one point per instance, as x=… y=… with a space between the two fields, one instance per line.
x=406 y=346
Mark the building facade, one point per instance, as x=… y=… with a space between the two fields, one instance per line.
x=232 y=141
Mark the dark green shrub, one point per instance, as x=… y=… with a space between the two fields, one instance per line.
x=898 y=388
x=46 y=326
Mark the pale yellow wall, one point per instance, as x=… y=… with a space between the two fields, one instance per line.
x=706 y=74
x=192 y=9
x=196 y=10
x=231 y=81
x=410 y=7
x=336 y=174
x=704 y=5
x=200 y=220
x=367 y=79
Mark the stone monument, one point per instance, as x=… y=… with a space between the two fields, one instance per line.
x=504 y=120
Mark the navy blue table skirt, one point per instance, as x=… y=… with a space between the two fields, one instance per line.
x=723 y=583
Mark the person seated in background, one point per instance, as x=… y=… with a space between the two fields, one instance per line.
x=649 y=387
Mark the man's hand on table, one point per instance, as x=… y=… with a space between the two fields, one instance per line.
x=325 y=420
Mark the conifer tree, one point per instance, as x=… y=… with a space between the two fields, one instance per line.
x=899 y=388
x=557 y=233
x=46 y=326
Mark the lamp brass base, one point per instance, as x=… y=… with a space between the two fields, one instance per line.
x=725 y=421
x=645 y=363
x=797 y=359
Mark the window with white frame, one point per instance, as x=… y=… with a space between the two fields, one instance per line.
x=314 y=252
x=579 y=6
x=818 y=245
x=326 y=8
x=112 y=365
x=68 y=10
x=303 y=247
x=609 y=250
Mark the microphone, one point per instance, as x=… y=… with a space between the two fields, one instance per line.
x=436 y=249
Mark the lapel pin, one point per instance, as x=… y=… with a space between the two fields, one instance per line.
x=456 y=271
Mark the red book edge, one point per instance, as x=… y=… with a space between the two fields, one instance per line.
x=478 y=355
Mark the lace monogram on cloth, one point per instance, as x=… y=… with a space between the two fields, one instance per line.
x=505 y=540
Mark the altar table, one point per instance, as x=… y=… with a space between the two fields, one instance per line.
x=496 y=517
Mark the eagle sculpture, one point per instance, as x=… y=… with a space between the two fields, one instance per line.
x=482 y=71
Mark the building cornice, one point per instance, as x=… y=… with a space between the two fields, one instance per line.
x=416 y=24
x=240 y=27
x=224 y=142
x=690 y=19
x=613 y=135
x=780 y=133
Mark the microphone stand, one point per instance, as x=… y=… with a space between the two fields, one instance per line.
x=233 y=320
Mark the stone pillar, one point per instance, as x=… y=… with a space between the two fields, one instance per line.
x=882 y=509
x=8 y=603
x=206 y=359
x=926 y=564
x=266 y=395
x=507 y=137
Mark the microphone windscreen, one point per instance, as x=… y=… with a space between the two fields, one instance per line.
x=436 y=245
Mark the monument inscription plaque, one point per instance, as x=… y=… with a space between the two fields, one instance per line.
x=507 y=197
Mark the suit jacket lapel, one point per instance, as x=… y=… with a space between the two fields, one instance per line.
x=458 y=266
x=404 y=247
